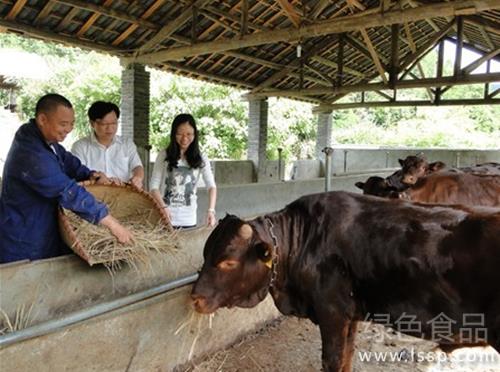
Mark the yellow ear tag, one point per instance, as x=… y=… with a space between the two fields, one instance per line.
x=269 y=263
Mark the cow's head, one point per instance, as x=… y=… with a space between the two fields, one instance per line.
x=377 y=186
x=236 y=270
x=413 y=168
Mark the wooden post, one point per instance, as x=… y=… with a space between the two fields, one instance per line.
x=487 y=85
x=393 y=75
x=459 y=45
x=340 y=60
x=439 y=70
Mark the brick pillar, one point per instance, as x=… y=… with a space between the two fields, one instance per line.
x=135 y=107
x=324 y=134
x=257 y=134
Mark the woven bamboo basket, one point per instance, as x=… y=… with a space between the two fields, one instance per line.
x=124 y=202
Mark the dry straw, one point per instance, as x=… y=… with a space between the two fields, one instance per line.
x=137 y=211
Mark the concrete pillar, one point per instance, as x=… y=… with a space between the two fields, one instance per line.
x=257 y=133
x=324 y=134
x=135 y=107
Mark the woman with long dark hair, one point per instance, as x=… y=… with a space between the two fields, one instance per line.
x=177 y=171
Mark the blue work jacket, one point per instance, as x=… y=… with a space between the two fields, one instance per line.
x=37 y=179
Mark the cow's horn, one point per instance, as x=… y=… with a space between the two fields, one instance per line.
x=245 y=231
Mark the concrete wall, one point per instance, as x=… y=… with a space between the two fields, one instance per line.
x=140 y=337
x=254 y=199
x=345 y=160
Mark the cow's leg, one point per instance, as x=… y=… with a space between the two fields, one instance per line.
x=337 y=344
x=349 y=347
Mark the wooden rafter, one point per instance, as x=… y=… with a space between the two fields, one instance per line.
x=320 y=6
x=333 y=64
x=16 y=8
x=280 y=74
x=473 y=65
x=401 y=84
x=45 y=12
x=67 y=19
x=454 y=102
x=356 y=4
x=343 y=24
x=413 y=49
x=91 y=20
x=148 y=13
x=171 y=27
x=36 y=32
x=123 y=16
x=426 y=47
x=290 y=12
x=374 y=55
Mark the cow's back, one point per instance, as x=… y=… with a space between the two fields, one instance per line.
x=457 y=188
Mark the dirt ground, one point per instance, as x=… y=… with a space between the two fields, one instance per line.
x=291 y=344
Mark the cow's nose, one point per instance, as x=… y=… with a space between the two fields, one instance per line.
x=199 y=301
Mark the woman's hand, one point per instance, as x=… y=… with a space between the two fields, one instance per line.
x=211 y=219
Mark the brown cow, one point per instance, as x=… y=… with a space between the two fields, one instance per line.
x=445 y=187
x=456 y=188
x=331 y=258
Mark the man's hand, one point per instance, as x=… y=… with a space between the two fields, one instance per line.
x=122 y=234
x=99 y=178
x=137 y=182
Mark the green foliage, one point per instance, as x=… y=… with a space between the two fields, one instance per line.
x=220 y=114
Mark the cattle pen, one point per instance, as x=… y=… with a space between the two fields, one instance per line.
x=71 y=302
x=60 y=314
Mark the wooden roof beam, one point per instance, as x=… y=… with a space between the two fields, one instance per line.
x=123 y=16
x=16 y=9
x=327 y=62
x=450 y=102
x=341 y=24
x=401 y=84
x=374 y=55
x=290 y=12
x=172 y=26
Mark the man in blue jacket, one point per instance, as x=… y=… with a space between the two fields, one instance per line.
x=39 y=176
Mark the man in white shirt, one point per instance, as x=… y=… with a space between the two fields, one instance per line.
x=104 y=151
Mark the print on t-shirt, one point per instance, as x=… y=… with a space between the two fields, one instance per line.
x=179 y=186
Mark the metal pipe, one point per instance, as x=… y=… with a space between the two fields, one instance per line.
x=280 y=158
x=100 y=309
x=328 y=167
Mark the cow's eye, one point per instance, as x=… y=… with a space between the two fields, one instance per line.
x=227 y=265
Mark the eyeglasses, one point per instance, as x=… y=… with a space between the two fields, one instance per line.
x=187 y=135
x=106 y=124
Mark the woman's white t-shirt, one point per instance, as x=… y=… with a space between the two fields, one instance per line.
x=178 y=187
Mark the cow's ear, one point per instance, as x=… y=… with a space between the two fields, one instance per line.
x=360 y=185
x=245 y=231
x=401 y=162
x=263 y=251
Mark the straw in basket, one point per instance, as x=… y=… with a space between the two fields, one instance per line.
x=136 y=210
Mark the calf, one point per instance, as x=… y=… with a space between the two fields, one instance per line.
x=331 y=258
